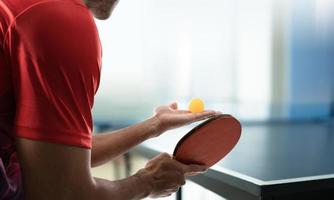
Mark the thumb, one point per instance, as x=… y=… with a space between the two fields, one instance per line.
x=173 y=106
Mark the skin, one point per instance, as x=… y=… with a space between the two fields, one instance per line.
x=57 y=172
x=101 y=9
x=60 y=172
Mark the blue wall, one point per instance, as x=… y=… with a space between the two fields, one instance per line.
x=311 y=70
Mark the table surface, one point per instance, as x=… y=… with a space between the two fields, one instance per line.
x=267 y=154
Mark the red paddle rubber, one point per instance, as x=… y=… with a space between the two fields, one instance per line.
x=209 y=142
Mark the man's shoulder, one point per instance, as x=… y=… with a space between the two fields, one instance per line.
x=11 y=9
x=38 y=12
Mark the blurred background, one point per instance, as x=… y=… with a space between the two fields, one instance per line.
x=260 y=60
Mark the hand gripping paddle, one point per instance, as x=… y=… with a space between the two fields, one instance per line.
x=209 y=142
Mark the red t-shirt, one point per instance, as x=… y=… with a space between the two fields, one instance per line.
x=50 y=59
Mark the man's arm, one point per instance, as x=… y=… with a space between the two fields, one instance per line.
x=57 y=172
x=52 y=171
x=109 y=145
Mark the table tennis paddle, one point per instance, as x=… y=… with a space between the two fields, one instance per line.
x=209 y=142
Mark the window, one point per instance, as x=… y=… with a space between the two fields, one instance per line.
x=240 y=56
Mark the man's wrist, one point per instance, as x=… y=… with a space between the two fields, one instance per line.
x=154 y=125
x=143 y=182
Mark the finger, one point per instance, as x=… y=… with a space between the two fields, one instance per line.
x=173 y=106
x=174 y=190
x=201 y=116
x=204 y=112
x=158 y=158
x=181 y=179
x=197 y=168
x=166 y=195
x=210 y=112
x=195 y=173
x=162 y=156
x=187 y=169
x=183 y=111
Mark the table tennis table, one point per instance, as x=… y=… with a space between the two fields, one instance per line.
x=279 y=160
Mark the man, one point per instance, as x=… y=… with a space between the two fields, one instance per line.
x=50 y=61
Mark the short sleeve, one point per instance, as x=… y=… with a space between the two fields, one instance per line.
x=55 y=57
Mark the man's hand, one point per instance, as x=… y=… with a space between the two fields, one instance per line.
x=170 y=117
x=166 y=175
x=108 y=146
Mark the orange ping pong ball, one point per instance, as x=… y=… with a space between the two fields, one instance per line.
x=196 y=106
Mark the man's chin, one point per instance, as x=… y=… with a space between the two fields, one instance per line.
x=102 y=16
x=101 y=9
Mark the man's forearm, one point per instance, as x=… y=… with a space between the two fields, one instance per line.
x=131 y=188
x=109 y=145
